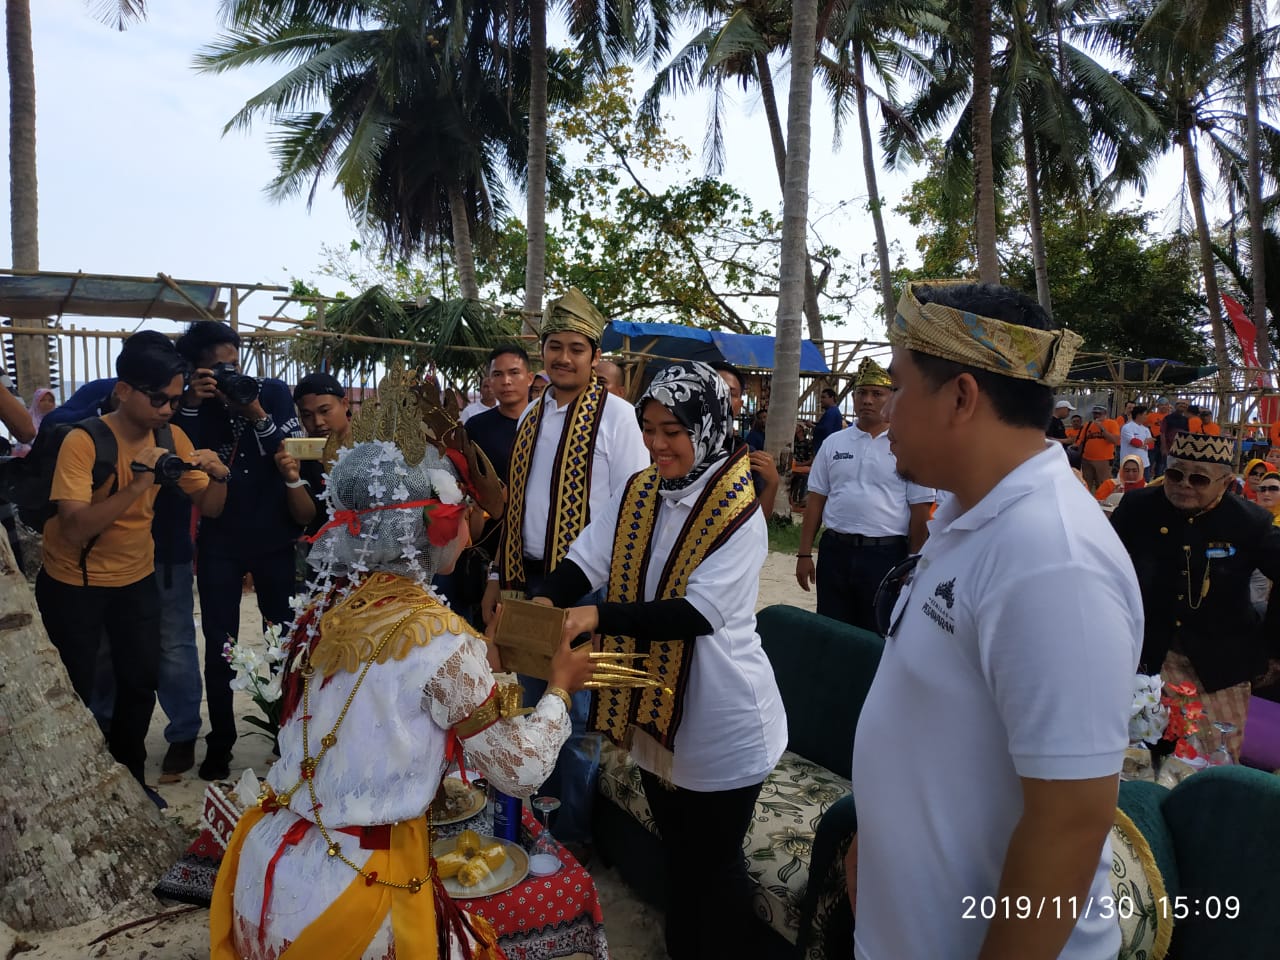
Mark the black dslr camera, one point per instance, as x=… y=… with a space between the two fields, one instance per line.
x=235 y=386
x=168 y=469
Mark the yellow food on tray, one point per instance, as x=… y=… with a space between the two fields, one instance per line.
x=494 y=855
x=468 y=843
x=449 y=865
x=475 y=870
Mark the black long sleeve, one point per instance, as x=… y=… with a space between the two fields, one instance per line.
x=675 y=619
x=564 y=585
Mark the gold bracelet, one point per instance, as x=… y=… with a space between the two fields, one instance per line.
x=563 y=695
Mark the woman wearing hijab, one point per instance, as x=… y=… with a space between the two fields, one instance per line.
x=1130 y=479
x=43 y=401
x=679 y=552
x=1253 y=473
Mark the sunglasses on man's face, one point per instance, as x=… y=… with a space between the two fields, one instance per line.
x=157 y=398
x=1269 y=488
x=1197 y=480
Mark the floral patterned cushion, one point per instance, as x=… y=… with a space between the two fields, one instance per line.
x=777 y=847
x=1137 y=886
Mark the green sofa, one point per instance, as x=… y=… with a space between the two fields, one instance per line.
x=824 y=669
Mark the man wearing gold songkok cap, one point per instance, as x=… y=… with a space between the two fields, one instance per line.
x=1195 y=545
x=575 y=448
x=999 y=714
x=872 y=515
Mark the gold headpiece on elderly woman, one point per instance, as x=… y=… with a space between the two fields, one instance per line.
x=1008 y=349
x=574 y=313
x=871 y=374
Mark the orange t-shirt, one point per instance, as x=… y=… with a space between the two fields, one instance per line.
x=1153 y=422
x=1097 y=447
x=1275 y=433
x=1195 y=425
x=1212 y=429
x=124 y=553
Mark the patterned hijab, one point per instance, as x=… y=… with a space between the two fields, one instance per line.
x=699 y=399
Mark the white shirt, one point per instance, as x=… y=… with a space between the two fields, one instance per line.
x=1127 y=433
x=1014 y=657
x=858 y=475
x=734 y=726
x=473 y=408
x=618 y=453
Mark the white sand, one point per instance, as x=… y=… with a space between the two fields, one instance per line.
x=634 y=928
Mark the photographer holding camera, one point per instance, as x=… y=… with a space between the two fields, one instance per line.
x=99 y=558
x=244 y=420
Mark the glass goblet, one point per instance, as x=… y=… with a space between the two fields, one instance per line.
x=1221 y=756
x=545 y=857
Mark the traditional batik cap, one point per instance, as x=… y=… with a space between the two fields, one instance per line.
x=574 y=313
x=1007 y=349
x=1202 y=448
x=871 y=374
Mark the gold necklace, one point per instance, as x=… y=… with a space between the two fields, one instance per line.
x=1204 y=581
x=309 y=763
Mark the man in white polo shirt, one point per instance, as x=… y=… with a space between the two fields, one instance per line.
x=873 y=517
x=987 y=756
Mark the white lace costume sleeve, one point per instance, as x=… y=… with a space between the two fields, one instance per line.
x=516 y=754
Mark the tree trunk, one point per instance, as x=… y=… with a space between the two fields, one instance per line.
x=31 y=353
x=1258 y=260
x=1195 y=187
x=984 y=188
x=785 y=394
x=535 y=270
x=77 y=834
x=811 y=310
x=463 y=256
x=1038 y=257
x=873 y=189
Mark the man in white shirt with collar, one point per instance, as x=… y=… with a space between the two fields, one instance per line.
x=873 y=516
x=576 y=447
x=988 y=752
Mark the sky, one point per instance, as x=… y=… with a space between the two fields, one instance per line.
x=136 y=176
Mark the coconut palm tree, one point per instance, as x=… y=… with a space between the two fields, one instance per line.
x=984 y=180
x=423 y=108
x=1249 y=16
x=31 y=355
x=1059 y=117
x=605 y=31
x=1188 y=64
x=784 y=400
x=733 y=48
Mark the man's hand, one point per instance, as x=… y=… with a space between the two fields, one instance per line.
x=763 y=464
x=201 y=388
x=146 y=458
x=806 y=574
x=287 y=465
x=210 y=463
x=489 y=602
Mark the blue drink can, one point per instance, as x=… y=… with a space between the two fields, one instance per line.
x=506 y=815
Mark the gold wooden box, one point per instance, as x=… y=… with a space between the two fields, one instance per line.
x=528 y=636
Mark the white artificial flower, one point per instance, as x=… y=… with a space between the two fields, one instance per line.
x=445 y=486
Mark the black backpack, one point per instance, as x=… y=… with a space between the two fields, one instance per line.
x=26 y=481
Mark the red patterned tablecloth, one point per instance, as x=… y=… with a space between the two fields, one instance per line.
x=545 y=917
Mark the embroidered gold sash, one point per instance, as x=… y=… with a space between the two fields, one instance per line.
x=351 y=630
x=726 y=503
x=570 y=483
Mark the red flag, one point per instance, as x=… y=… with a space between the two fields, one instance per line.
x=1246 y=332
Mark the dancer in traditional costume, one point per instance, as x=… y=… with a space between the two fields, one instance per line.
x=680 y=551
x=385 y=685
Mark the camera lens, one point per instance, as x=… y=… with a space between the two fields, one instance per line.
x=170 y=467
x=235 y=386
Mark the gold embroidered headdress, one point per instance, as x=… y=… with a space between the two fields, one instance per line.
x=574 y=313
x=871 y=374
x=1008 y=349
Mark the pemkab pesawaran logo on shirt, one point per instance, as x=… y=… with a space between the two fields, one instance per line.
x=938 y=607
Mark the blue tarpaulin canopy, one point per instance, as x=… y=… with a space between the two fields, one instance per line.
x=668 y=341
